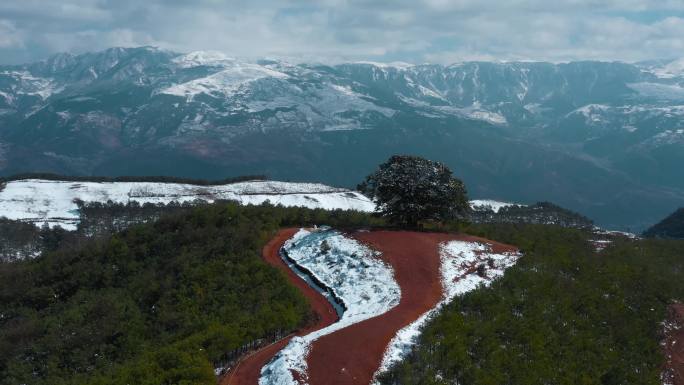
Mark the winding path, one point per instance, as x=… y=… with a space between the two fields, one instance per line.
x=248 y=370
x=352 y=355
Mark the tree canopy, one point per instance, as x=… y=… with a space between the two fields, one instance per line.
x=409 y=189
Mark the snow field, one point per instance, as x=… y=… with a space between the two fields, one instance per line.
x=487 y=204
x=364 y=283
x=40 y=201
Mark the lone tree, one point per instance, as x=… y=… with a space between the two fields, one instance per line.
x=409 y=189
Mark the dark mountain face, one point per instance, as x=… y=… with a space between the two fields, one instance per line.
x=671 y=227
x=604 y=139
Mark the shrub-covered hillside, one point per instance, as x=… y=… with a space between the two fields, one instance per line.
x=563 y=315
x=160 y=303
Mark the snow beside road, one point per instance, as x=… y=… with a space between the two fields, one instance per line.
x=459 y=262
x=365 y=285
x=40 y=201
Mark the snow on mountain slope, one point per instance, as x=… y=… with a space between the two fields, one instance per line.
x=670 y=70
x=202 y=58
x=54 y=202
x=323 y=105
x=23 y=83
x=670 y=92
x=473 y=112
x=225 y=82
x=458 y=261
x=363 y=282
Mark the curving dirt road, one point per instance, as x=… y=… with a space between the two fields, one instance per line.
x=248 y=370
x=673 y=345
x=352 y=355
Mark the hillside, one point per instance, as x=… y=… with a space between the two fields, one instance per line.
x=159 y=303
x=603 y=139
x=34 y=213
x=670 y=227
x=59 y=202
x=560 y=315
x=67 y=201
x=139 y=306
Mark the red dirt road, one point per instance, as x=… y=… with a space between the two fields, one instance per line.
x=674 y=346
x=352 y=355
x=248 y=370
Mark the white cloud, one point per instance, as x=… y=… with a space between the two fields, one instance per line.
x=408 y=30
x=9 y=36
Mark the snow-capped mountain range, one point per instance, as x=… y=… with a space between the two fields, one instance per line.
x=210 y=91
x=150 y=111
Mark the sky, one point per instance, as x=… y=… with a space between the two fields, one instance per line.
x=412 y=31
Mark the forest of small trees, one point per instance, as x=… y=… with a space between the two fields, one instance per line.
x=671 y=227
x=541 y=213
x=163 y=294
x=562 y=315
x=159 y=303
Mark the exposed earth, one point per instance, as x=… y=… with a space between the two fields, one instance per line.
x=353 y=355
x=247 y=371
x=673 y=346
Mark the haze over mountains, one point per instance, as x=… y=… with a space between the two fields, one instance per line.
x=605 y=139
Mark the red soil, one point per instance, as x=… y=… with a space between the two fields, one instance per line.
x=353 y=354
x=673 y=346
x=248 y=370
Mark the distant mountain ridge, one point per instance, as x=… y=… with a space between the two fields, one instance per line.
x=671 y=227
x=605 y=139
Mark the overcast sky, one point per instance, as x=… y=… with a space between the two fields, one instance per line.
x=414 y=31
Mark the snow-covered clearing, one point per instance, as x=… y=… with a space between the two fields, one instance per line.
x=54 y=202
x=40 y=201
x=459 y=263
x=361 y=281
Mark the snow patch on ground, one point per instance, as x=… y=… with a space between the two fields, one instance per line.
x=40 y=201
x=487 y=204
x=613 y=233
x=459 y=265
x=364 y=284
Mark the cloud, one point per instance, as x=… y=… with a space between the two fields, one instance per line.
x=441 y=31
x=9 y=36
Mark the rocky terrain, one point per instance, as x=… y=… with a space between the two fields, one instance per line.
x=604 y=139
